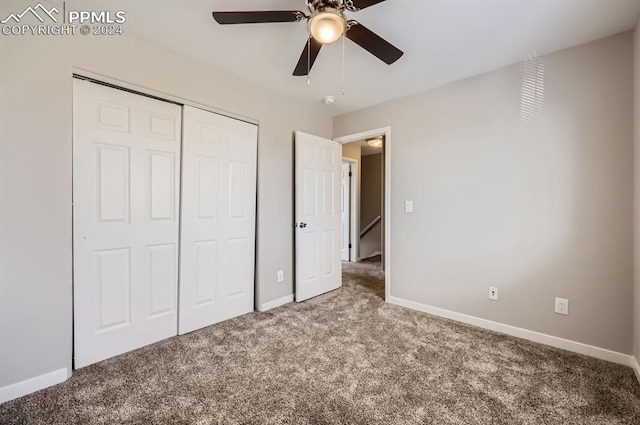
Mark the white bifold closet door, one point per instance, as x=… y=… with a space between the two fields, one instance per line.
x=130 y=223
x=126 y=165
x=217 y=242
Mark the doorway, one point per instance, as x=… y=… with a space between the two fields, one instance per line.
x=367 y=266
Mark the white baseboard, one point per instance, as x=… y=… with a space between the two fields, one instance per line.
x=636 y=367
x=32 y=385
x=276 y=303
x=553 y=341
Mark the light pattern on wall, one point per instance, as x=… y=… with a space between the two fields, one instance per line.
x=532 y=98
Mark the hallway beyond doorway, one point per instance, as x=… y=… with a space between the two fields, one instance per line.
x=365 y=274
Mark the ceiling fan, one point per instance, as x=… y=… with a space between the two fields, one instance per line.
x=326 y=24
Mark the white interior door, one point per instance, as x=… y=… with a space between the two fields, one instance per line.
x=126 y=162
x=217 y=244
x=318 y=217
x=346 y=211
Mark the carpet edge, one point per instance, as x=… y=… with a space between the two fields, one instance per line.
x=550 y=340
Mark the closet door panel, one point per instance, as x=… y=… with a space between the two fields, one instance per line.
x=126 y=170
x=217 y=245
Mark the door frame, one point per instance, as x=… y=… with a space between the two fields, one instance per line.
x=386 y=132
x=354 y=209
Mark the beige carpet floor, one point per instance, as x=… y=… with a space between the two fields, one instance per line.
x=345 y=357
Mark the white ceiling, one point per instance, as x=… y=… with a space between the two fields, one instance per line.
x=443 y=41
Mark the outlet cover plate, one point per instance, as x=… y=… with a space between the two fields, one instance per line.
x=493 y=293
x=280 y=275
x=562 y=306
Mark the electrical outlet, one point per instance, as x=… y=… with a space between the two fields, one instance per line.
x=280 y=275
x=493 y=293
x=562 y=306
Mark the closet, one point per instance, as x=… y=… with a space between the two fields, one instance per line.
x=164 y=199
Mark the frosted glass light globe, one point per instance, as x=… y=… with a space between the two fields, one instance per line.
x=327 y=27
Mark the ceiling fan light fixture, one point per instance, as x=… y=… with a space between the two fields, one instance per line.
x=327 y=27
x=375 y=143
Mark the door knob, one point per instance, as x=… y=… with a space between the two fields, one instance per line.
x=302 y=225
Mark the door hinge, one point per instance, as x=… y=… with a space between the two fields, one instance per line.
x=350 y=246
x=350 y=174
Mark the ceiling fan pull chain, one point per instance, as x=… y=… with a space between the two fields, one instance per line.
x=309 y=61
x=343 y=63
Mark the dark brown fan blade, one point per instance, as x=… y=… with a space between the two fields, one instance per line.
x=373 y=43
x=307 y=58
x=257 y=17
x=361 y=4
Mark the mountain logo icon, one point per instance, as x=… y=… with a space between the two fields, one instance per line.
x=38 y=11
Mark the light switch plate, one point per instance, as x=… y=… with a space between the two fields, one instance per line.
x=408 y=206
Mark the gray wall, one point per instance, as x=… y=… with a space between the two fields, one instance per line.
x=636 y=55
x=371 y=204
x=35 y=176
x=542 y=216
